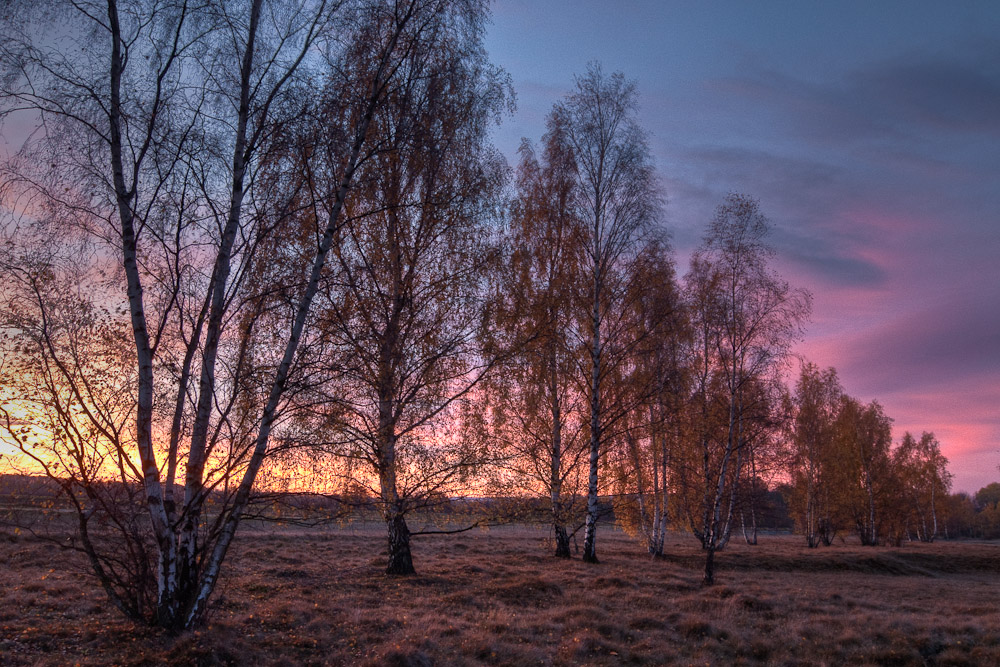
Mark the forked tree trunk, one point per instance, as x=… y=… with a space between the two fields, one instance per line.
x=715 y=535
x=661 y=533
x=826 y=531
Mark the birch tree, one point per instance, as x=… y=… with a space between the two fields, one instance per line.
x=864 y=434
x=924 y=482
x=814 y=458
x=406 y=307
x=651 y=432
x=746 y=319
x=538 y=398
x=155 y=119
x=616 y=203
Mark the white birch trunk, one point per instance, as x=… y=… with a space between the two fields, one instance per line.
x=590 y=534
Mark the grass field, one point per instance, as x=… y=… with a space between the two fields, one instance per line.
x=296 y=597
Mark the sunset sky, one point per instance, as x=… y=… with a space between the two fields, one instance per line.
x=870 y=132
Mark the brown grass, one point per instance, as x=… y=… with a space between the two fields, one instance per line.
x=317 y=598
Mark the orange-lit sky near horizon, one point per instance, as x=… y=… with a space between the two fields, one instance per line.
x=870 y=132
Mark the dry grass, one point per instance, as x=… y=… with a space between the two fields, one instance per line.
x=318 y=598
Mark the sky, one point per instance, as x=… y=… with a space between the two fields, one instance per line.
x=870 y=133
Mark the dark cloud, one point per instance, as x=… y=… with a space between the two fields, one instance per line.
x=837 y=267
x=960 y=95
x=802 y=197
x=912 y=102
x=931 y=345
x=784 y=107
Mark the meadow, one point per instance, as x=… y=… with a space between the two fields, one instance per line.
x=319 y=597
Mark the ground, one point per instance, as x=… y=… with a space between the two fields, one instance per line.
x=295 y=597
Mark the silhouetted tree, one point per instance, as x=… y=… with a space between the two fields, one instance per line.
x=615 y=201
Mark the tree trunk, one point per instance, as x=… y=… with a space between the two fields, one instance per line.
x=709 y=578
x=749 y=536
x=653 y=535
x=562 y=541
x=400 y=559
x=934 y=521
x=590 y=536
x=555 y=462
x=812 y=523
x=873 y=536
x=727 y=526
x=660 y=528
x=661 y=532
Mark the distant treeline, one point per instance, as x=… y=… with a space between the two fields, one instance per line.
x=961 y=515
